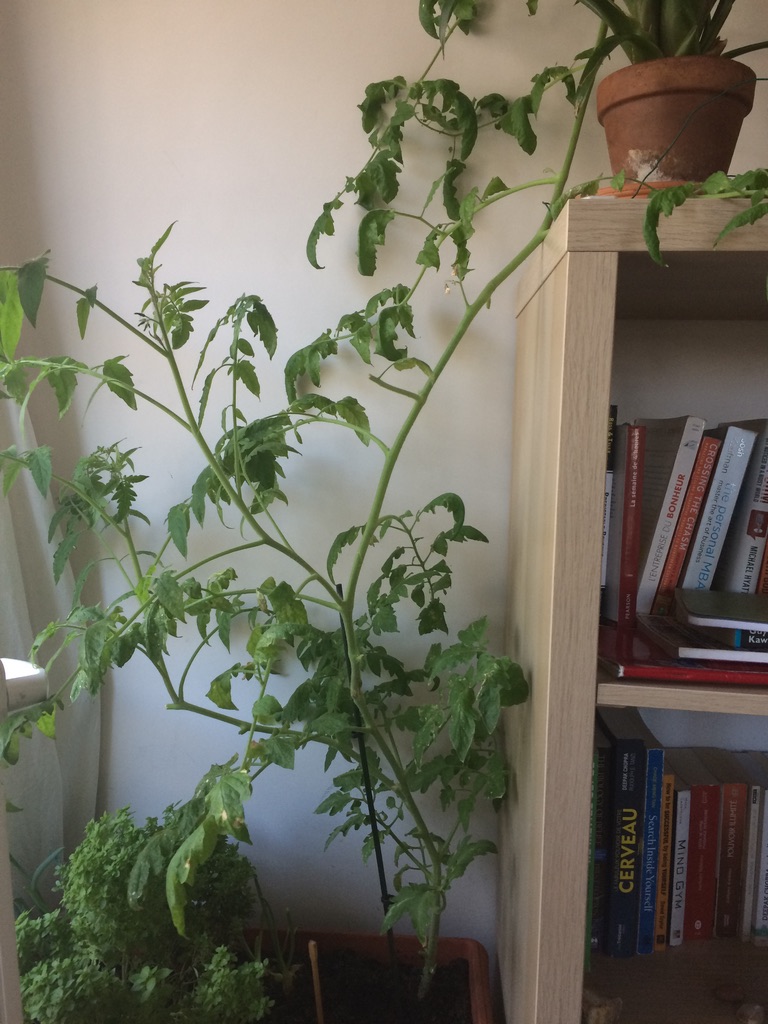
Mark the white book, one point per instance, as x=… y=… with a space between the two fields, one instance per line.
x=753 y=830
x=679 y=872
x=670 y=452
x=717 y=511
x=757 y=764
x=739 y=566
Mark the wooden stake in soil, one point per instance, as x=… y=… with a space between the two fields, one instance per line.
x=316 y=982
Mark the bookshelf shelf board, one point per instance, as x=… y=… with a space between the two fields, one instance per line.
x=678 y=985
x=741 y=700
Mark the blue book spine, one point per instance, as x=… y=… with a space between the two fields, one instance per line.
x=627 y=799
x=654 y=783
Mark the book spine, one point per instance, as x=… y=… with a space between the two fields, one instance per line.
x=666 y=836
x=610 y=464
x=750 y=859
x=675 y=485
x=739 y=568
x=599 y=895
x=679 y=871
x=628 y=788
x=730 y=879
x=702 y=862
x=706 y=458
x=739 y=639
x=624 y=535
x=760 y=916
x=654 y=780
x=717 y=512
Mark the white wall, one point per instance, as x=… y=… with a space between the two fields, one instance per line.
x=237 y=118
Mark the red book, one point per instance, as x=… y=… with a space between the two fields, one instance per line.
x=733 y=810
x=623 y=560
x=706 y=459
x=703 y=834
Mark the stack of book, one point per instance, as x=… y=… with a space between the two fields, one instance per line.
x=680 y=842
x=686 y=512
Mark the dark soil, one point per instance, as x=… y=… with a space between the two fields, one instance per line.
x=356 y=990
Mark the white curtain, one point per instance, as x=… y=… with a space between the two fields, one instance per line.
x=54 y=782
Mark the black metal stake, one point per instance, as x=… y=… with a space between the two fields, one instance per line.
x=386 y=896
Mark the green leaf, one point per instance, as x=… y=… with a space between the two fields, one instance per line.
x=170 y=595
x=343 y=540
x=420 y=903
x=31 y=279
x=83 y=308
x=280 y=750
x=192 y=854
x=226 y=804
x=517 y=123
x=120 y=380
x=323 y=226
x=371 y=234
x=220 y=691
x=461 y=727
x=178 y=526
x=11 y=313
x=39 y=462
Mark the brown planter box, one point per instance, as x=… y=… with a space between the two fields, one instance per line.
x=409 y=952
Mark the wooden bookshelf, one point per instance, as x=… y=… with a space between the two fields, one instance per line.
x=599 y=321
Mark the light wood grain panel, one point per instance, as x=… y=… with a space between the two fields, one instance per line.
x=731 y=700
x=608 y=224
x=561 y=398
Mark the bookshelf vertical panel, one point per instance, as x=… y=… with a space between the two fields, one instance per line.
x=561 y=397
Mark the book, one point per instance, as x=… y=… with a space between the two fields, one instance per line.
x=666 y=837
x=679 y=866
x=688 y=642
x=757 y=765
x=610 y=461
x=597 y=906
x=627 y=796
x=703 y=833
x=742 y=557
x=733 y=841
x=637 y=657
x=738 y=639
x=706 y=459
x=719 y=608
x=628 y=723
x=670 y=453
x=620 y=599
x=717 y=511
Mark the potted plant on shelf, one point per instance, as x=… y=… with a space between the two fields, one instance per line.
x=675 y=113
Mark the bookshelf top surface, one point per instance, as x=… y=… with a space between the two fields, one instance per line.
x=699 y=282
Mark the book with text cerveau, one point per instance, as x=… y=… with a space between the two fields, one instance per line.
x=742 y=557
x=627 y=795
x=706 y=459
x=670 y=452
x=716 y=513
x=624 y=528
x=629 y=724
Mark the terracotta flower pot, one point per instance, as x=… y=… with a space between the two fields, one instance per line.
x=674 y=119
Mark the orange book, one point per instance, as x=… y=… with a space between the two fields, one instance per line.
x=706 y=459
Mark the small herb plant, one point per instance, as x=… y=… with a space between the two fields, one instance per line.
x=429 y=718
x=102 y=958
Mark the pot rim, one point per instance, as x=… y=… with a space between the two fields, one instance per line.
x=735 y=80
